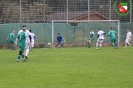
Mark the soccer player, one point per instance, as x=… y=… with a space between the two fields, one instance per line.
x=100 y=38
x=11 y=38
x=128 y=38
x=32 y=39
x=113 y=35
x=28 y=41
x=92 y=35
x=22 y=42
x=60 y=40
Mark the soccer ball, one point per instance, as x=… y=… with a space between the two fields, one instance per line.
x=49 y=43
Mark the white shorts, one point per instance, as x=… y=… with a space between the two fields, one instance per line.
x=32 y=43
x=128 y=41
x=100 y=40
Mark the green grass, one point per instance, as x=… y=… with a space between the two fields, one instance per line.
x=68 y=68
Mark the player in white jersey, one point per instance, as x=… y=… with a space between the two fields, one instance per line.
x=28 y=41
x=100 y=38
x=32 y=39
x=128 y=38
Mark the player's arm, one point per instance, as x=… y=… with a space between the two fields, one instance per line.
x=17 y=37
x=30 y=38
x=64 y=40
x=34 y=36
x=130 y=36
x=116 y=35
x=98 y=36
x=14 y=36
x=93 y=36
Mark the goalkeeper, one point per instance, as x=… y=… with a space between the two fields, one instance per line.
x=91 y=39
x=60 y=40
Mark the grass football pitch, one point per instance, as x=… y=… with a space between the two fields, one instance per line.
x=77 y=67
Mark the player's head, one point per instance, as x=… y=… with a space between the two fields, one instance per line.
x=128 y=30
x=90 y=29
x=30 y=30
x=99 y=29
x=24 y=26
x=24 y=29
x=111 y=28
x=58 y=34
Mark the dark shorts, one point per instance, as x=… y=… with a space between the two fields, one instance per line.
x=91 y=39
x=22 y=48
x=113 y=40
x=12 y=42
x=59 y=42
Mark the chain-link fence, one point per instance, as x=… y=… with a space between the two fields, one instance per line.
x=36 y=11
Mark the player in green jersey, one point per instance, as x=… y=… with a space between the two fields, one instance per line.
x=92 y=35
x=113 y=35
x=11 y=38
x=21 y=43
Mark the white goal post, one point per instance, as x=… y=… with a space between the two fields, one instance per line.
x=84 y=21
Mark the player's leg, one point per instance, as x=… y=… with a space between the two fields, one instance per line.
x=30 y=46
x=19 y=56
x=23 y=58
x=113 y=43
x=58 y=43
x=126 y=43
x=26 y=50
x=101 y=41
x=21 y=53
x=62 y=44
x=97 y=44
x=116 y=45
x=13 y=44
x=89 y=43
x=32 y=43
x=14 y=47
x=129 y=42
